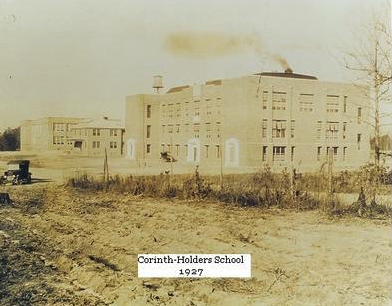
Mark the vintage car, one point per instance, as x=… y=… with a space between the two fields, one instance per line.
x=17 y=173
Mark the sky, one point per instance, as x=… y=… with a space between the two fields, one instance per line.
x=83 y=57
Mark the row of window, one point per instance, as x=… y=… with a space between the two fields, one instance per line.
x=306 y=102
x=113 y=132
x=97 y=144
x=61 y=127
x=171 y=128
x=58 y=140
x=175 y=110
x=279 y=153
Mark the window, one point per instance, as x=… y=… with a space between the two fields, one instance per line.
x=170 y=110
x=187 y=127
x=218 y=107
x=332 y=130
x=177 y=128
x=170 y=128
x=113 y=132
x=359 y=141
x=279 y=100
x=265 y=99
x=208 y=106
x=278 y=128
x=278 y=153
x=319 y=124
x=148 y=111
x=359 y=117
x=113 y=145
x=187 y=109
x=58 y=127
x=148 y=148
x=265 y=123
x=96 y=132
x=196 y=129
x=197 y=108
x=163 y=128
x=178 y=109
x=208 y=130
x=148 y=131
x=344 y=129
x=264 y=153
x=344 y=153
x=218 y=129
x=58 y=140
x=319 y=149
x=306 y=102
x=218 y=152
x=292 y=128
x=332 y=104
x=345 y=104
x=292 y=153
x=96 y=144
x=207 y=149
x=335 y=153
x=177 y=150
x=163 y=110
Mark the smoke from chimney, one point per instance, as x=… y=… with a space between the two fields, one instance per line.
x=203 y=45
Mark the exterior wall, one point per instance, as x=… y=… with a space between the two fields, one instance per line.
x=230 y=114
x=47 y=134
x=110 y=139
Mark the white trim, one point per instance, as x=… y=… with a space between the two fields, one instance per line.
x=232 y=150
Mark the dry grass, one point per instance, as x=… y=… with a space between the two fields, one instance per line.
x=264 y=189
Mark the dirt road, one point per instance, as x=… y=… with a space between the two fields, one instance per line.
x=64 y=247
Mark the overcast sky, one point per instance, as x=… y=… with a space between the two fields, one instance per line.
x=81 y=58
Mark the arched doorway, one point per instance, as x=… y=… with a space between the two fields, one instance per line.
x=131 y=148
x=232 y=152
x=193 y=150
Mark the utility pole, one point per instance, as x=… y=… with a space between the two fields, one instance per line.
x=221 y=161
x=376 y=84
x=330 y=165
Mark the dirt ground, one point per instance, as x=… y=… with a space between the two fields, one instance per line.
x=65 y=247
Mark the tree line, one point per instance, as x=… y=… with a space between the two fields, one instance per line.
x=10 y=139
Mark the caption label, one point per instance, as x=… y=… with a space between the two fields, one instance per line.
x=194 y=265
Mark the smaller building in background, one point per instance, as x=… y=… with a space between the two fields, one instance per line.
x=76 y=135
x=47 y=134
x=94 y=136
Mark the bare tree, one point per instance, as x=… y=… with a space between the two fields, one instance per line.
x=372 y=60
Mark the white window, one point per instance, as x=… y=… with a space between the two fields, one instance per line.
x=264 y=153
x=278 y=153
x=292 y=128
x=264 y=132
x=265 y=99
x=359 y=116
x=332 y=104
x=96 y=132
x=208 y=130
x=306 y=102
x=279 y=100
x=319 y=124
x=278 y=128
x=332 y=130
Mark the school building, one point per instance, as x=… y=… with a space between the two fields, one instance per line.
x=279 y=119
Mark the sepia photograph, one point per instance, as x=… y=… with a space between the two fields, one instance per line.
x=195 y=152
